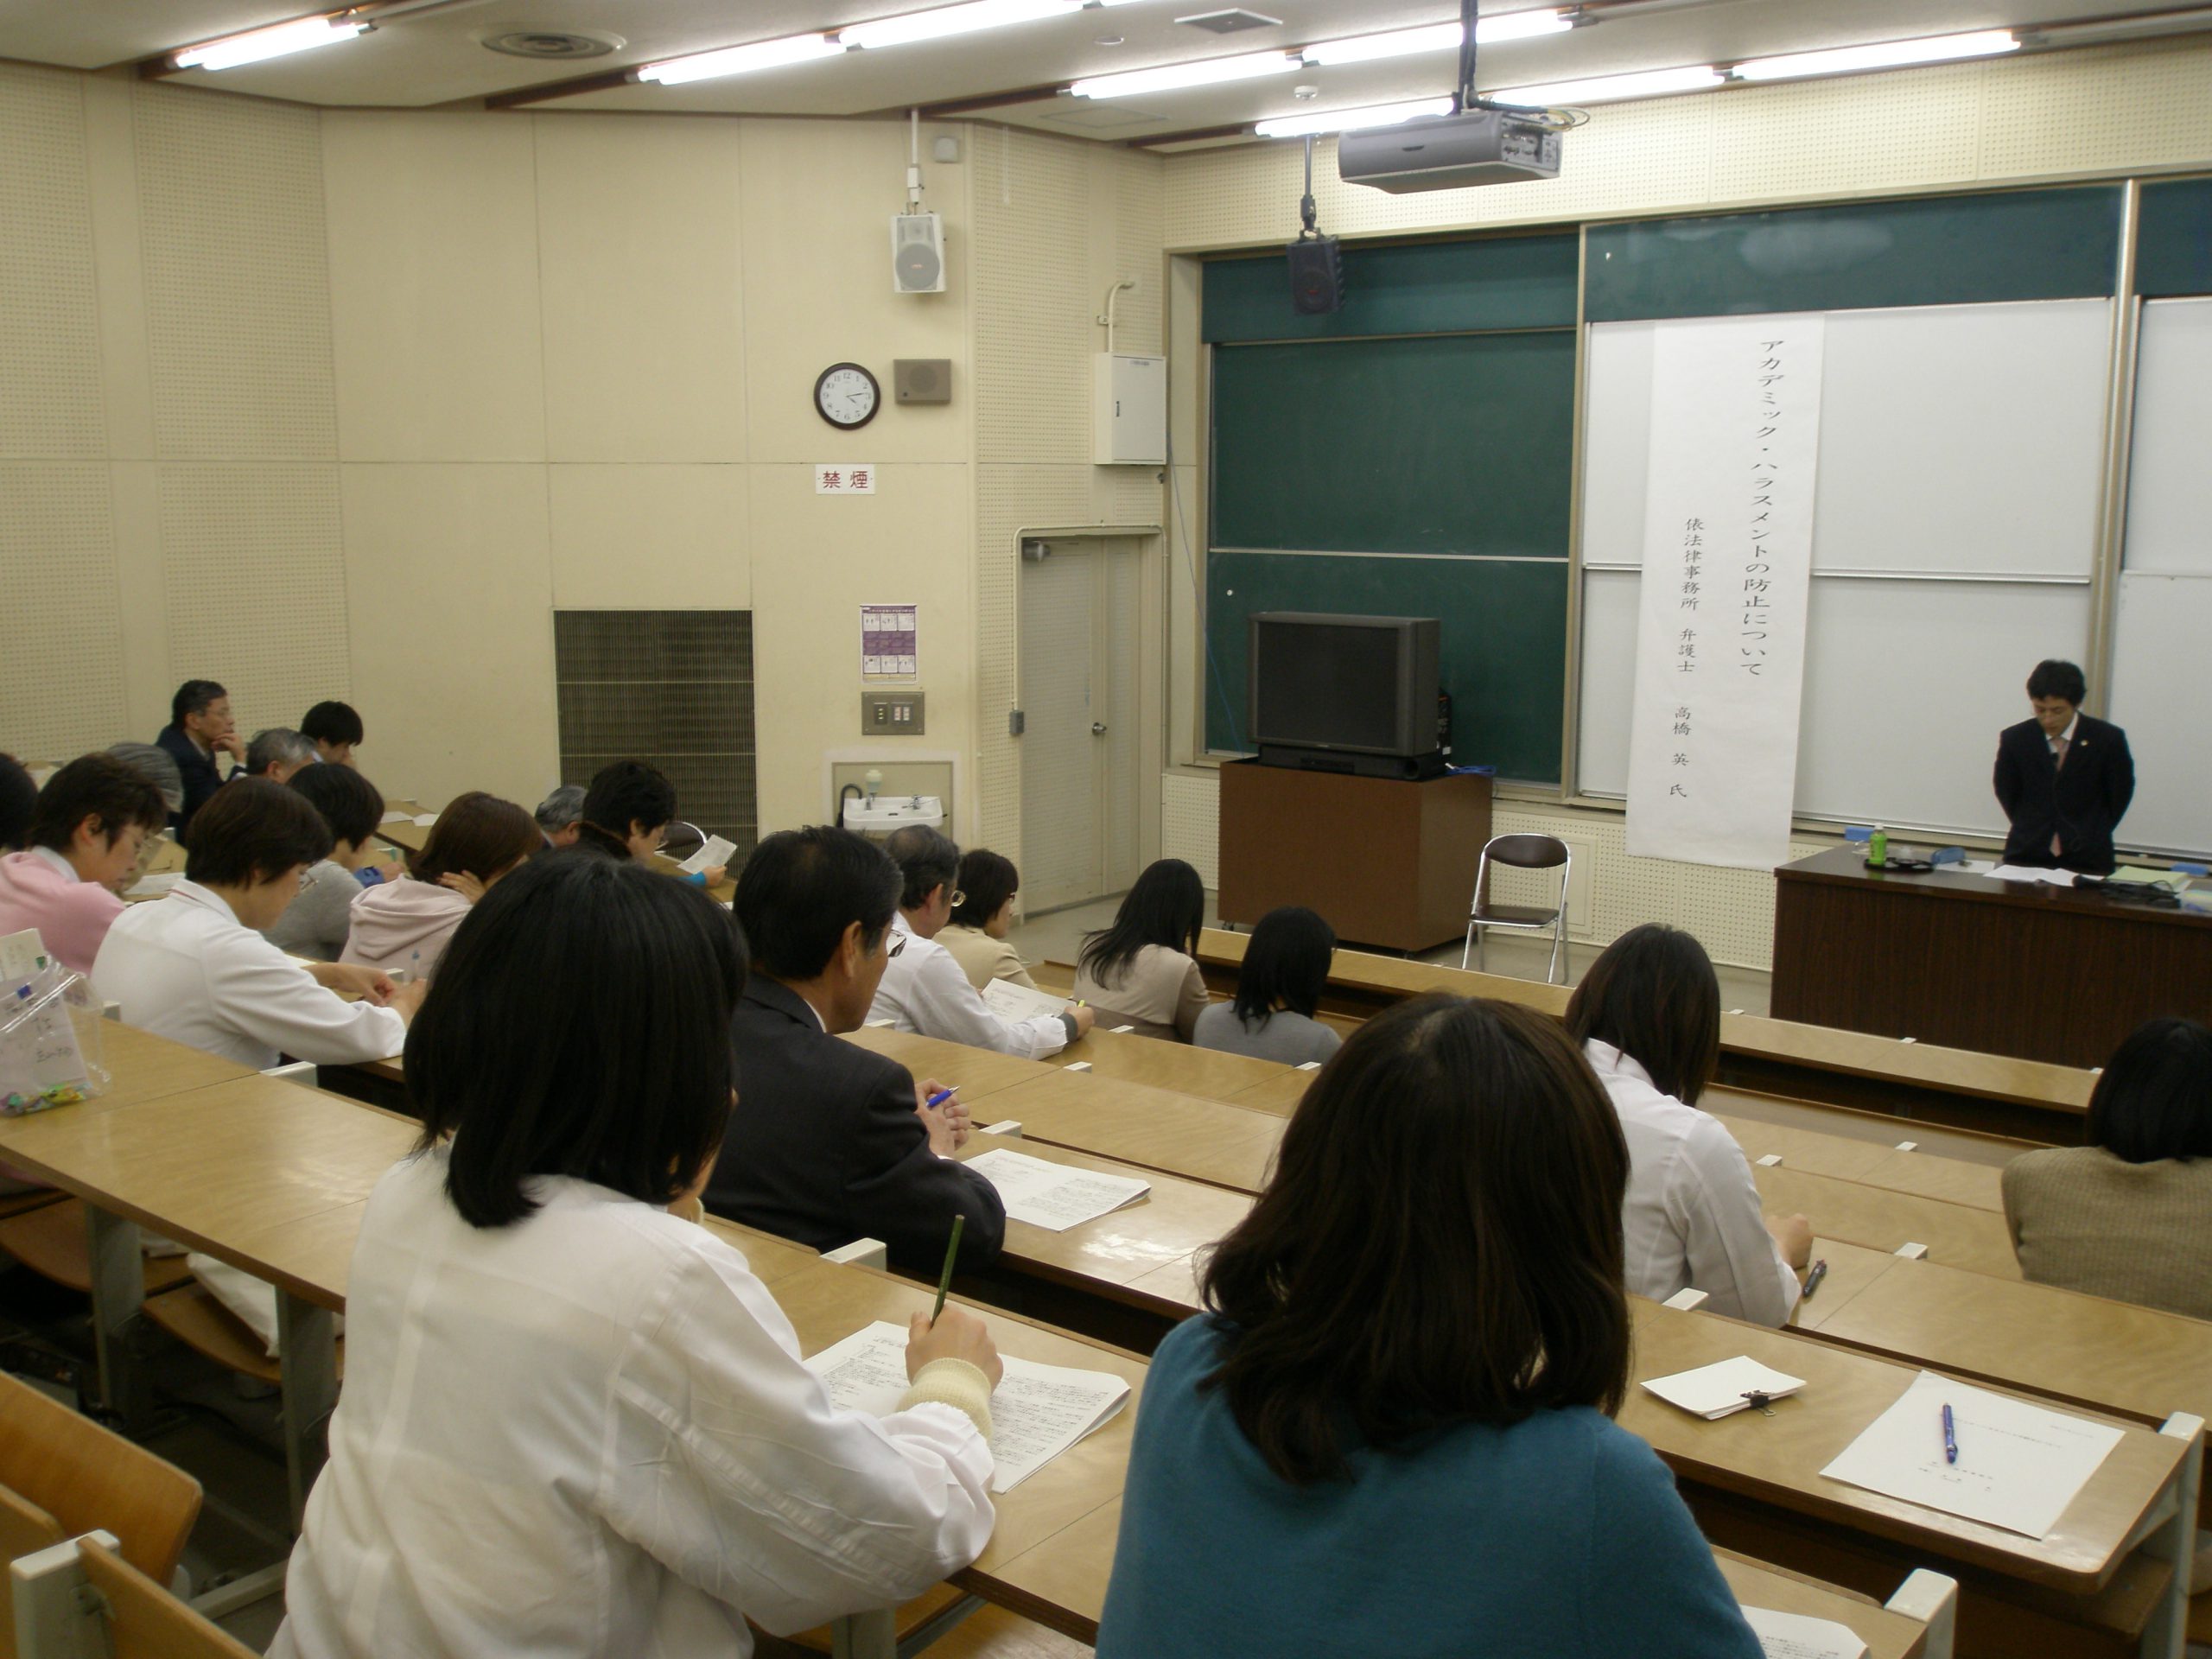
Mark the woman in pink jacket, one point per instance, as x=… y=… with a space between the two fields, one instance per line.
x=87 y=829
x=404 y=926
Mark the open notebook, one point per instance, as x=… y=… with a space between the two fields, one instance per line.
x=1037 y=1413
x=1011 y=1002
x=1053 y=1195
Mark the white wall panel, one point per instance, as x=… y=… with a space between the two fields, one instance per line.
x=650 y=538
x=50 y=400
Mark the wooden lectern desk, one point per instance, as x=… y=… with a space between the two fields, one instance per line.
x=1387 y=863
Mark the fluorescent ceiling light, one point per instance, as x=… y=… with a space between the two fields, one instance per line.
x=1374 y=115
x=953 y=19
x=275 y=42
x=1172 y=77
x=741 y=59
x=1885 y=54
x=1607 y=89
x=1435 y=37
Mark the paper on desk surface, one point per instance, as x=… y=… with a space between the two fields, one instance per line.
x=713 y=851
x=426 y=819
x=2021 y=873
x=1037 y=1411
x=152 y=887
x=1053 y=1195
x=1012 y=1001
x=1796 y=1636
x=2019 y=1465
x=397 y=816
x=2143 y=873
x=1717 y=1390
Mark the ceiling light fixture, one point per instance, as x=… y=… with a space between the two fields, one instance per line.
x=1174 y=77
x=1609 y=89
x=937 y=24
x=741 y=59
x=1436 y=37
x=279 y=41
x=1885 y=54
x=1372 y=114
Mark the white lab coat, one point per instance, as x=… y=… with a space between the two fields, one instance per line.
x=183 y=968
x=588 y=1433
x=1692 y=1217
x=924 y=989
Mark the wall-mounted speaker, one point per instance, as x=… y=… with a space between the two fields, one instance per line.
x=917 y=253
x=922 y=379
x=1317 y=275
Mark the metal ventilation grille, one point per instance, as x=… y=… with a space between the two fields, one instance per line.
x=673 y=688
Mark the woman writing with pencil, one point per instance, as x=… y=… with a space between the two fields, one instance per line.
x=574 y=1424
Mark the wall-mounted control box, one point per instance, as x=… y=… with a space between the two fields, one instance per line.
x=890 y=713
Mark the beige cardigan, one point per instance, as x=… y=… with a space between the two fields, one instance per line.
x=983 y=958
x=1160 y=992
x=2086 y=1220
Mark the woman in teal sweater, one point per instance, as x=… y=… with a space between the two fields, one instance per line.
x=1393 y=1434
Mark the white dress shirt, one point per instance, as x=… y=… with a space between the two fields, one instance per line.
x=588 y=1433
x=184 y=968
x=924 y=989
x=1692 y=1217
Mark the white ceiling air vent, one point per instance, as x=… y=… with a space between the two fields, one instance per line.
x=1235 y=21
x=555 y=45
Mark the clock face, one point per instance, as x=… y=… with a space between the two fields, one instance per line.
x=846 y=396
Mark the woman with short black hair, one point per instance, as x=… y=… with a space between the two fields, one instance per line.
x=2129 y=1215
x=1390 y=1434
x=1279 y=985
x=1143 y=970
x=977 y=936
x=576 y=1423
x=1648 y=1016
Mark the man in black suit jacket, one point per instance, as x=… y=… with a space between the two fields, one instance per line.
x=830 y=1142
x=2063 y=779
x=199 y=729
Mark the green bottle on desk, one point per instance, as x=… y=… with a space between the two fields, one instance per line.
x=1877 y=848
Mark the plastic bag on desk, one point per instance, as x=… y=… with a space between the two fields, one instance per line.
x=49 y=1041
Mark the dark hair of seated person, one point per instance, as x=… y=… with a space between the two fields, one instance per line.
x=1440 y=1243
x=623 y=793
x=96 y=786
x=477 y=835
x=331 y=722
x=17 y=794
x=1652 y=995
x=803 y=888
x=349 y=803
x=987 y=880
x=1287 y=962
x=193 y=697
x=252 y=830
x=927 y=860
x=2153 y=1099
x=1167 y=906
x=578 y=1025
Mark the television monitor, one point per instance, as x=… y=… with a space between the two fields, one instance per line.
x=1351 y=685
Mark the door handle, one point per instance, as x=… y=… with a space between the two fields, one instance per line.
x=1098 y=729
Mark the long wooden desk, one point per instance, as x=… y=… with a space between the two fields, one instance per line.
x=2046 y=973
x=1957 y=1234
x=1981 y=1091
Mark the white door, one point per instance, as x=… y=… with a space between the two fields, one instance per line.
x=1080 y=808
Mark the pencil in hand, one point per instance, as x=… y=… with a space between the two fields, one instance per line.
x=951 y=1254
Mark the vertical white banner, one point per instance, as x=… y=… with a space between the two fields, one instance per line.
x=1728 y=568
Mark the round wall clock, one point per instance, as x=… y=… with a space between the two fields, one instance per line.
x=847 y=396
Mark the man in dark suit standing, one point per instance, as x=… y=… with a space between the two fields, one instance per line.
x=830 y=1142
x=2063 y=779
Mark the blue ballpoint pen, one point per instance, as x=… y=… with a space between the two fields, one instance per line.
x=942 y=1096
x=1950 y=1437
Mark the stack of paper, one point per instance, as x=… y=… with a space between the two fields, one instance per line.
x=152 y=886
x=1053 y=1195
x=1011 y=1002
x=2143 y=876
x=2021 y=873
x=1720 y=1391
x=397 y=816
x=1794 y=1636
x=1037 y=1413
x=715 y=851
x=2019 y=1465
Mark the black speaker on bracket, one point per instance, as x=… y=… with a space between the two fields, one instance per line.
x=1317 y=275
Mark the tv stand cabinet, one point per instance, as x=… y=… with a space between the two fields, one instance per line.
x=1385 y=862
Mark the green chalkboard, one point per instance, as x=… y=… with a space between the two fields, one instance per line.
x=2173 y=248
x=1504 y=655
x=1409 y=288
x=2018 y=244
x=1456 y=444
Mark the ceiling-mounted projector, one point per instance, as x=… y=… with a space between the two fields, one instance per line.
x=1451 y=152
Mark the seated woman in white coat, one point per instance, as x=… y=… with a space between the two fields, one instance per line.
x=575 y=1423
x=193 y=967
x=1648 y=1016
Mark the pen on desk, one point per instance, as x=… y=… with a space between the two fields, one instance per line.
x=1813 y=1278
x=1950 y=1437
x=952 y=1254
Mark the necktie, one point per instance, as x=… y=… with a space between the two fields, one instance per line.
x=2058 y=746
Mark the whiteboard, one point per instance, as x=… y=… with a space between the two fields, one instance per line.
x=1959 y=440
x=2169 y=483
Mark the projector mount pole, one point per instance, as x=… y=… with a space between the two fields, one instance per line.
x=1306 y=215
x=1464 y=98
